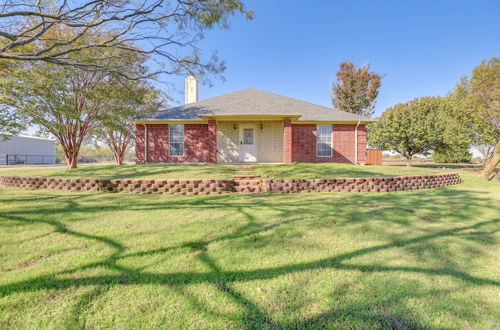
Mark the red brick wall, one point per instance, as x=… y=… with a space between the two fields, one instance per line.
x=157 y=140
x=139 y=144
x=304 y=144
x=200 y=144
x=343 y=143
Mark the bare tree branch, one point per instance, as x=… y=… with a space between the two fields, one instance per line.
x=166 y=30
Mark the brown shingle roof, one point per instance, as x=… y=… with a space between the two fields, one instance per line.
x=254 y=102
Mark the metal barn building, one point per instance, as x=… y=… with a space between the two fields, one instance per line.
x=29 y=150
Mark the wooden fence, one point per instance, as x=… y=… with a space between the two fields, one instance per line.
x=373 y=157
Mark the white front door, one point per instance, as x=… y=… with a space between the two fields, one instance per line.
x=248 y=143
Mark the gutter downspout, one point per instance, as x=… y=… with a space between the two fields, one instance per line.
x=356 y=143
x=145 y=143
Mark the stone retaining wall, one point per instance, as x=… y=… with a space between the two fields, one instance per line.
x=208 y=187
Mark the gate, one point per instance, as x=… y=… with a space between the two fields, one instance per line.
x=373 y=157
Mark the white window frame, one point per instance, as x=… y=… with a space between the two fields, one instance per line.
x=170 y=149
x=318 y=141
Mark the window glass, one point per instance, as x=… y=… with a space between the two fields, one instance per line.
x=247 y=136
x=324 y=140
x=175 y=140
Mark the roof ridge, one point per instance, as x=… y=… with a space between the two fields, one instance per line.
x=308 y=102
x=252 y=100
x=303 y=101
x=29 y=136
x=204 y=100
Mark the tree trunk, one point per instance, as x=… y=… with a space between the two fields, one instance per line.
x=485 y=151
x=71 y=155
x=408 y=161
x=119 y=149
x=492 y=164
x=118 y=142
x=118 y=157
x=72 y=161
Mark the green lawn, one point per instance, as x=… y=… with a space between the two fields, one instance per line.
x=129 y=171
x=174 y=171
x=413 y=259
x=311 y=171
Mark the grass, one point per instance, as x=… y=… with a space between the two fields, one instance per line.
x=129 y=171
x=174 y=171
x=414 y=259
x=311 y=171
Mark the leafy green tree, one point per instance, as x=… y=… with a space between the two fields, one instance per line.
x=454 y=123
x=10 y=123
x=485 y=101
x=408 y=128
x=486 y=152
x=130 y=99
x=63 y=100
x=452 y=154
x=356 y=89
x=475 y=119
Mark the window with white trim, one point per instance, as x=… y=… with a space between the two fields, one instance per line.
x=324 y=140
x=176 y=140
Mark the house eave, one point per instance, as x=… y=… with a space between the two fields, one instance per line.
x=252 y=117
x=169 y=121
x=260 y=117
x=331 y=121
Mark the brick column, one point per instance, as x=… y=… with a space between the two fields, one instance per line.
x=362 y=144
x=212 y=140
x=287 y=141
x=139 y=144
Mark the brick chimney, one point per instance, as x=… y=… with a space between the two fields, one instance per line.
x=190 y=89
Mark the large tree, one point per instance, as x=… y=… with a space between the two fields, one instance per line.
x=452 y=154
x=409 y=128
x=454 y=122
x=166 y=30
x=9 y=121
x=63 y=100
x=356 y=89
x=59 y=31
x=128 y=100
x=485 y=100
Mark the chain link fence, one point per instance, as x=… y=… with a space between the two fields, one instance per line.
x=8 y=159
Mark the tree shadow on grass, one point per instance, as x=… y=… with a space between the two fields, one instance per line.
x=171 y=171
x=313 y=171
x=443 y=202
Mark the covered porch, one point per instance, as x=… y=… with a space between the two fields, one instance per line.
x=250 y=139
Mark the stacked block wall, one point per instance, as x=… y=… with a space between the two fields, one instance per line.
x=207 y=187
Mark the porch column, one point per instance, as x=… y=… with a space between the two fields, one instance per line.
x=140 y=144
x=287 y=141
x=212 y=142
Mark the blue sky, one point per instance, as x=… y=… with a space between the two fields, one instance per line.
x=294 y=47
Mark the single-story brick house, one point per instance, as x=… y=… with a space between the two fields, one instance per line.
x=250 y=126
